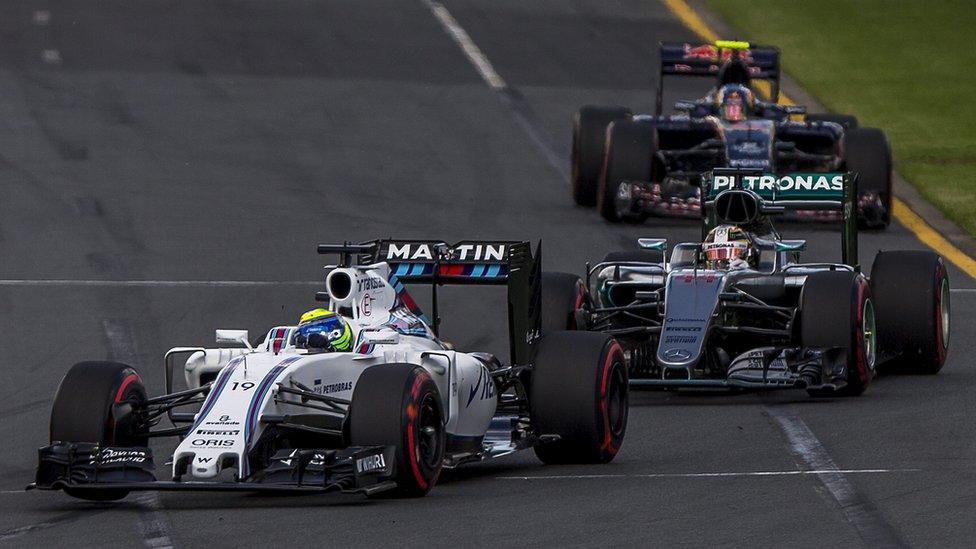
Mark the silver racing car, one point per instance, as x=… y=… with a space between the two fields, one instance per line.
x=739 y=310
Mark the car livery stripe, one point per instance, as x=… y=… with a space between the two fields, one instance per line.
x=254 y=408
x=215 y=391
x=478 y=270
x=493 y=271
x=401 y=270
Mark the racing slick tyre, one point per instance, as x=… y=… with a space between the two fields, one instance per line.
x=83 y=412
x=849 y=121
x=911 y=293
x=868 y=153
x=398 y=405
x=562 y=295
x=578 y=392
x=589 y=132
x=629 y=156
x=837 y=310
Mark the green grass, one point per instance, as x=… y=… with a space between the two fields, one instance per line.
x=908 y=67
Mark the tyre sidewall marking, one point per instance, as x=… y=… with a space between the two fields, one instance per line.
x=129 y=379
x=862 y=368
x=941 y=343
x=613 y=351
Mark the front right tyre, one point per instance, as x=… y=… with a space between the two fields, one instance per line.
x=837 y=311
x=86 y=407
x=399 y=405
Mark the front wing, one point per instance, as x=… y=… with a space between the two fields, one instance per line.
x=357 y=469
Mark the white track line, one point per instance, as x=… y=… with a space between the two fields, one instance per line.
x=811 y=453
x=470 y=49
x=151 y=283
x=710 y=475
x=152 y=522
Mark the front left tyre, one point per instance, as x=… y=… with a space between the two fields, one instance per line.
x=578 y=392
x=95 y=403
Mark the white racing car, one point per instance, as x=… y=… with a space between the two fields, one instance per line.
x=386 y=414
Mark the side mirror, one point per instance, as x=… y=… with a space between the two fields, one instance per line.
x=653 y=244
x=233 y=336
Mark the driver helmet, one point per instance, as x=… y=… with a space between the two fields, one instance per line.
x=728 y=247
x=336 y=330
x=734 y=102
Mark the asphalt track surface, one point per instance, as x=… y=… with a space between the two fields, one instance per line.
x=220 y=141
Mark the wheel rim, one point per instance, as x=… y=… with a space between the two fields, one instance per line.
x=869 y=334
x=616 y=400
x=944 y=312
x=427 y=446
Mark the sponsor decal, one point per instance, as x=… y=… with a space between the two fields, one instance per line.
x=677 y=354
x=462 y=252
x=370 y=464
x=799 y=183
x=109 y=456
x=670 y=328
x=672 y=319
x=366 y=304
x=223 y=420
x=365 y=283
x=211 y=443
x=204 y=459
x=320 y=389
x=218 y=432
x=680 y=339
x=484 y=387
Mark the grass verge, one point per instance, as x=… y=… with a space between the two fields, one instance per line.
x=908 y=67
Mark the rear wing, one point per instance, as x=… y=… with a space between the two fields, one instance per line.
x=435 y=262
x=740 y=197
x=684 y=59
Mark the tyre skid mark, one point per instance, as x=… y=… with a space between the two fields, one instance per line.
x=811 y=454
x=720 y=474
x=152 y=522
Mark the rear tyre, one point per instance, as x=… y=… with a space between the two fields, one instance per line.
x=562 y=295
x=849 y=121
x=589 y=132
x=868 y=153
x=82 y=412
x=629 y=156
x=837 y=310
x=398 y=405
x=578 y=391
x=911 y=290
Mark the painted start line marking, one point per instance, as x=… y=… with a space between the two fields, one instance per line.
x=712 y=475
